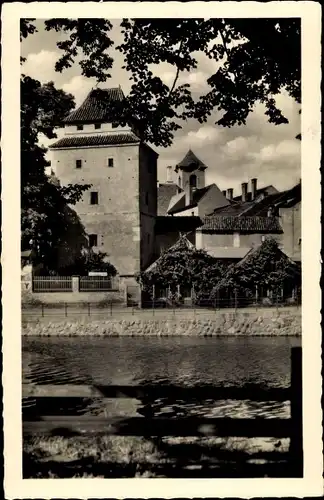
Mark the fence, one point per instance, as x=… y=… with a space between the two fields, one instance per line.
x=40 y=421
x=107 y=308
x=97 y=284
x=52 y=284
x=232 y=302
x=74 y=283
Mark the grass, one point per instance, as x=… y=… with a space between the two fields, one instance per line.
x=120 y=456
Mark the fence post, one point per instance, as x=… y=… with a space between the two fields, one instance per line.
x=42 y=310
x=235 y=300
x=88 y=308
x=65 y=309
x=111 y=308
x=296 y=439
x=153 y=291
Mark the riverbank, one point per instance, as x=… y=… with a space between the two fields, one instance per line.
x=184 y=323
x=128 y=456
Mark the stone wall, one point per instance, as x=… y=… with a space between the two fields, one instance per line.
x=222 y=324
x=116 y=218
x=290 y=220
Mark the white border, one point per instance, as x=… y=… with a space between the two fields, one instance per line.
x=312 y=483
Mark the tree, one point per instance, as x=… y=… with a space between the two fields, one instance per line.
x=265 y=267
x=258 y=59
x=182 y=266
x=89 y=260
x=47 y=221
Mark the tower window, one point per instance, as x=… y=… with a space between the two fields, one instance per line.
x=97 y=125
x=110 y=162
x=79 y=127
x=93 y=240
x=94 y=198
x=193 y=181
x=78 y=163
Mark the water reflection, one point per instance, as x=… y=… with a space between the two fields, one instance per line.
x=180 y=361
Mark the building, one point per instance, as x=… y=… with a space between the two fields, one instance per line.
x=184 y=200
x=232 y=237
x=194 y=197
x=285 y=206
x=119 y=210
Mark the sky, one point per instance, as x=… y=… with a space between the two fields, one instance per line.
x=268 y=152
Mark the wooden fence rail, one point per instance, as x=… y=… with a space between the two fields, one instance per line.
x=150 y=426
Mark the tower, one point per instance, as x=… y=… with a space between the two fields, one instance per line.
x=191 y=175
x=118 y=211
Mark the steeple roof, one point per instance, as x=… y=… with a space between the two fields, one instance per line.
x=190 y=163
x=93 y=109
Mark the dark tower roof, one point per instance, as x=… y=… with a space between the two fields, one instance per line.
x=92 y=109
x=190 y=163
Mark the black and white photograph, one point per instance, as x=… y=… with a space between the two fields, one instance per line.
x=163 y=283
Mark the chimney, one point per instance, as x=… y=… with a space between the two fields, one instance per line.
x=253 y=188
x=169 y=174
x=244 y=191
x=224 y=193
x=230 y=194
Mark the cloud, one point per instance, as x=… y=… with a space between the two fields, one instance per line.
x=204 y=135
x=282 y=150
x=237 y=146
x=41 y=65
x=79 y=87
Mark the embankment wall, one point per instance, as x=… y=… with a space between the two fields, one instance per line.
x=223 y=324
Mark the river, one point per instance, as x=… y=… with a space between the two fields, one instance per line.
x=187 y=361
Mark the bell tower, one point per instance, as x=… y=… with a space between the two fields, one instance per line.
x=191 y=172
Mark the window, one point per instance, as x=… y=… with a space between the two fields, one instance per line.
x=236 y=240
x=193 y=181
x=94 y=198
x=97 y=125
x=114 y=125
x=299 y=241
x=93 y=240
x=79 y=127
x=110 y=162
x=78 y=163
x=179 y=181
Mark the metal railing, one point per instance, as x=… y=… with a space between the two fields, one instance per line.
x=38 y=420
x=97 y=284
x=52 y=284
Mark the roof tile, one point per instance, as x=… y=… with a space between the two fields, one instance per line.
x=165 y=193
x=231 y=224
x=92 y=109
x=190 y=162
x=95 y=140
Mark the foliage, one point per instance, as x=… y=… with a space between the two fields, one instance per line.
x=257 y=59
x=89 y=260
x=266 y=267
x=47 y=221
x=182 y=266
